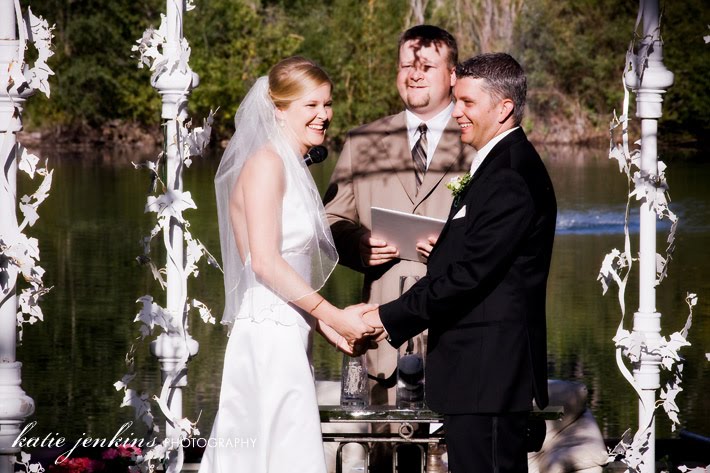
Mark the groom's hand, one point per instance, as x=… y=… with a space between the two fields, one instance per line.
x=374 y=252
x=372 y=318
x=352 y=326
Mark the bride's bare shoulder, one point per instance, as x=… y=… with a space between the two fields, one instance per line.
x=264 y=161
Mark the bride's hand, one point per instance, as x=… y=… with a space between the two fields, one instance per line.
x=348 y=322
x=337 y=340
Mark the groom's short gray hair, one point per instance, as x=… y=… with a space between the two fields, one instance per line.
x=503 y=78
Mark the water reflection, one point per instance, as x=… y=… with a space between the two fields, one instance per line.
x=89 y=235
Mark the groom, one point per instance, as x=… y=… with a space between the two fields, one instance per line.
x=483 y=297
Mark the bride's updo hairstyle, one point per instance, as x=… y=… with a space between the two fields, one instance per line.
x=294 y=77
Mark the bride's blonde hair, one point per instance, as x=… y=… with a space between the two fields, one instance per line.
x=294 y=77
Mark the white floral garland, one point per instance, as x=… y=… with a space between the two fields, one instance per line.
x=37 y=76
x=167 y=206
x=16 y=248
x=22 y=251
x=151 y=47
x=616 y=267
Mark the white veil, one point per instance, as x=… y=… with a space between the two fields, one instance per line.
x=256 y=127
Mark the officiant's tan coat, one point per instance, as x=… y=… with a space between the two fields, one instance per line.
x=375 y=169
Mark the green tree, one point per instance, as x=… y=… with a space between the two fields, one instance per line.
x=573 y=52
x=479 y=26
x=96 y=77
x=233 y=43
x=686 y=106
x=356 y=42
x=574 y=66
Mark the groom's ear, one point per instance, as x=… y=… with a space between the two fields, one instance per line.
x=507 y=107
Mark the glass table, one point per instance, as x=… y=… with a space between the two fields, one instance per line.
x=407 y=431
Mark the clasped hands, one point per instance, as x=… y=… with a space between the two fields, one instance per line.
x=359 y=328
x=355 y=329
x=366 y=328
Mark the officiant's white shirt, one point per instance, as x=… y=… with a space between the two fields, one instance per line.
x=435 y=129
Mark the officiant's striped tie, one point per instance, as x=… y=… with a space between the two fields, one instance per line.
x=419 y=155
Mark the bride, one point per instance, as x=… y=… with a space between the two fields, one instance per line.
x=277 y=253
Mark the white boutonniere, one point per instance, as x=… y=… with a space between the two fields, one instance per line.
x=457 y=184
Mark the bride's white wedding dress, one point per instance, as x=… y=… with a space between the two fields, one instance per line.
x=268 y=420
x=268 y=417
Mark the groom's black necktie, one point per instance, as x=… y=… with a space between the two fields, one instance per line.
x=419 y=155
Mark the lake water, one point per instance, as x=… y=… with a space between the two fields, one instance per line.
x=89 y=234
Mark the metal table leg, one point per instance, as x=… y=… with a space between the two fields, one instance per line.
x=339 y=456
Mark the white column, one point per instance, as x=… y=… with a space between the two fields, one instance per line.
x=174 y=347
x=15 y=405
x=7 y=20
x=649 y=83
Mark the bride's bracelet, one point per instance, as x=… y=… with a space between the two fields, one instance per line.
x=310 y=312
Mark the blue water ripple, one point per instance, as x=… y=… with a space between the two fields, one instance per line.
x=610 y=220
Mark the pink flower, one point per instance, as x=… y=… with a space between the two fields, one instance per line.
x=121 y=451
x=76 y=465
x=128 y=451
x=110 y=454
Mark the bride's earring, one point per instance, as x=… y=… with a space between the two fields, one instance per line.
x=280 y=120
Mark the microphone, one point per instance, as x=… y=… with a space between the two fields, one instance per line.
x=317 y=154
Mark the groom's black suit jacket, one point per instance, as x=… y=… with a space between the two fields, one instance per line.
x=483 y=297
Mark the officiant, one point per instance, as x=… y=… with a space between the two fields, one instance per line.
x=399 y=162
